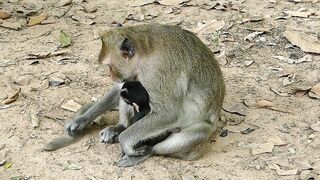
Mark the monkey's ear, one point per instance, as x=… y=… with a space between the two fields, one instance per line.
x=127 y=49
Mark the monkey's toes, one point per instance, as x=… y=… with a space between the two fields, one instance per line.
x=108 y=136
x=127 y=161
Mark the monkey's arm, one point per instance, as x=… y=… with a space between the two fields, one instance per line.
x=107 y=103
x=110 y=134
x=66 y=140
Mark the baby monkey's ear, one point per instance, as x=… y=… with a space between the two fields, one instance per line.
x=127 y=48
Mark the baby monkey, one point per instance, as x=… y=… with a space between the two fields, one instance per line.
x=134 y=94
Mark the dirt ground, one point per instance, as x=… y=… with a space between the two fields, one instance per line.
x=271 y=110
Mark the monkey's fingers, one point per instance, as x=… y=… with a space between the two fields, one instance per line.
x=76 y=126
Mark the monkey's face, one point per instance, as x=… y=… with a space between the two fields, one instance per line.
x=119 y=56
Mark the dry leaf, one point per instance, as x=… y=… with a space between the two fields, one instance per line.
x=256 y=19
x=315 y=126
x=237 y=128
x=142 y=2
x=37 y=19
x=280 y=93
x=222 y=58
x=22 y=81
x=71 y=105
x=298 y=14
x=315 y=91
x=63 y=3
x=290 y=79
x=281 y=172
x=306 y=42
x=262 y=148
x=4 y=15
x=11 y=25
x=43 y=86
x=248 y=63
x=90 y=8
x=12 y=98
x=56 y=81
x=306 y=58
x=172 y=2
x=263 y=104
x=213 y=25
x=34 y=120
x=135 y=14
x=235 y=108
x=277 y=141
x=252 y=36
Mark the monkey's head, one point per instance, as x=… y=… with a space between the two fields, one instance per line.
x=119 y=54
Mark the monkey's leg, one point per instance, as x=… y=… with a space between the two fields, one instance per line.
x=143 y=149
x=107 y=103
x=187 y=143
x=110 y=134
x=137 y=140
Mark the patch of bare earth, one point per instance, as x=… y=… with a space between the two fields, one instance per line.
x=268 y=52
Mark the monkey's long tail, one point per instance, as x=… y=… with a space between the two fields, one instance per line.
x=60 y=142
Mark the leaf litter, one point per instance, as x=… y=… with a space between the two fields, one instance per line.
x=307 y=43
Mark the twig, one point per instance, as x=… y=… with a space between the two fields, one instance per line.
x=6 y=106
x=66 y=11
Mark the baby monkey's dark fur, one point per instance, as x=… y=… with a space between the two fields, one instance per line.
x=134 y=94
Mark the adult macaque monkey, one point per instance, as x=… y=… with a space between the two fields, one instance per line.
x=185 y=86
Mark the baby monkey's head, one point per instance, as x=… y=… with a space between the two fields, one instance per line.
x=135 y=94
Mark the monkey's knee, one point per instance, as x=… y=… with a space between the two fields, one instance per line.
x=187 y=144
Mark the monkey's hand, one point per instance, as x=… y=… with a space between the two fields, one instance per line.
x=76 y=126
x=111 y=133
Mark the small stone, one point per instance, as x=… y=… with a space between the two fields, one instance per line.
x=256 y=19
x=2 y=162
x=277 y=141
x=22 y=81
x=307 y=175
x=74 y=167
x=262 y=39
x=258 y=167
x=315 y=126
x=71 y=105
x=90 y=8
x=288 y=46
x=4 y=15
x=241 y=144
x=56 y=81
x=282 y=172
x=187 y=177
x=292 y=150
x=224 y=133
x=311 y=138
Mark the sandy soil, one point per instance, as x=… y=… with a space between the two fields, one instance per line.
x=271 y=119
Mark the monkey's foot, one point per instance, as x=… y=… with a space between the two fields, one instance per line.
x=127 y=161
x=110 y=134
x=76 y=126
